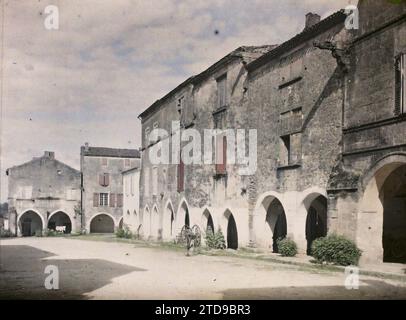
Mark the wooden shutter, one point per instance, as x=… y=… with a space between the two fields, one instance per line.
x=181 y=175
x=95 y=199
x=112 y=199
x=119 y=200
x=101 y=179
x=106 y=179
x=222 y=91
x=221 y=154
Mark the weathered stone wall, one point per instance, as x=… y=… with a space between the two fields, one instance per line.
x=45 y=186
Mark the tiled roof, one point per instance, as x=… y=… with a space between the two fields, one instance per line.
x=109 y=152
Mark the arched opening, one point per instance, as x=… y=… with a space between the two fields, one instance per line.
x=232 y=233
x=276 y=223
x=60 y=221
x=381 y=220
x=102 y=223
x=316 y=220
x=121 y=223
x=155 y=229
x=168 y=222
x=393 y=198
x=183 y=218
x=207 y=221
x=30 y=223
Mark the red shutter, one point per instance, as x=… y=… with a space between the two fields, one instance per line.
x=221 y=163
x=106 y=179
x=95 y=199
x=181 y=176
x=112 y=200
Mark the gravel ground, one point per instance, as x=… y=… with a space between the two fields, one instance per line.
x=106 y=270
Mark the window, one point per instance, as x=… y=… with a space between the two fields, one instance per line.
x=285 y=151
x=221 y=155
x=104 y=199
x=24 y=192
x=180 y=104
x=103 y=161
x=104 y=179
x=222 y=91
x=155 y=181
x=128 y=212
x=72 y=194
x=290 y=152
x=147 y=131
x=181 y=175
x=400 y=84
x=127 y=162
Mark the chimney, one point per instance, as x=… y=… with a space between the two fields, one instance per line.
x=311 y=20
x=50 y=155
x=86 y=146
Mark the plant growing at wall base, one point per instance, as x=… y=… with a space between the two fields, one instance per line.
x=5 y=233
x=287 y=247
x=215 y=240
x=124 y=233
x=337 y=250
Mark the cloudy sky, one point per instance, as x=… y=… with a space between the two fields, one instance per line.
x=111 y=59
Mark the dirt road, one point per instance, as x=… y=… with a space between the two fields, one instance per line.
x=100 y=270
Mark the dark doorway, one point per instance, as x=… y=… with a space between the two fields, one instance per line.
x=187 y=220
x=276 y=219
x=232 y=235
x=60 y=219
x=210 y=224
x=30 y=223
x=102 y=224
x=172 y=221
x=316 y=221
x=393 y=197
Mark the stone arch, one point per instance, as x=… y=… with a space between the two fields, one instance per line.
x=182 y=216
x=379 y=232
x=102 y=222
x=29 y=222
x=58 y=219
x=270 y=221
x=231 y=232
x=315 y=204
x=168 y=223
x=121 y=223
x=207 y=221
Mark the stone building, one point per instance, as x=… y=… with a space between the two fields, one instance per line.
x=328 y=107
x=367 y=186
x=131 y=206
x=102 y=186
x=43 y=193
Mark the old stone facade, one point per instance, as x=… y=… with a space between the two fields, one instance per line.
x=102 y=186
x=328 y=106
x=43 y=193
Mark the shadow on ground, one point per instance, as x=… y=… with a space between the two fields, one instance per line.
x=368 y=289
x=22 y=274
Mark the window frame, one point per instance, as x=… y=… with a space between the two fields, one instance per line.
x=103 y=202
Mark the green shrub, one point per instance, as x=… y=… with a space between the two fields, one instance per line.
x=336 y=249
x=287 y=247
x=38 y=233
x=5 y=233
x=124 y=233
x=215 y=240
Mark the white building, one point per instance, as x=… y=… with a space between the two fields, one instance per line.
x=131 y=211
